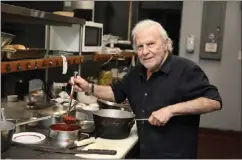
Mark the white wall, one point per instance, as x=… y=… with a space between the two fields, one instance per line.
x=225 y=74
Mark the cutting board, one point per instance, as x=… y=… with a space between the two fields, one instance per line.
x=122 y=146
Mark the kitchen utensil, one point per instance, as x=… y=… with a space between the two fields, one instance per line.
x=80 y=143
x=112 y=123
x=65 y=132
x=7 y=130
x=28 y=137
x=142 y=119
x=6 y=39
x=67 y=118
x=72 y=92
x=70 y=151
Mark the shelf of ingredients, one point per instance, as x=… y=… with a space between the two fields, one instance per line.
x=34 y=64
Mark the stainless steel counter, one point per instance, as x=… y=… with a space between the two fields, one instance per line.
x=17 y=151
x=19 y=111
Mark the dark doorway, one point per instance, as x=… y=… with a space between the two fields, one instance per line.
x=170 y=19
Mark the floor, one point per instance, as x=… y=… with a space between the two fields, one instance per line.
x=219 y=144
x=213 y=144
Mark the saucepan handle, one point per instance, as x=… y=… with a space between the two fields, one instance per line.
x=131 y=123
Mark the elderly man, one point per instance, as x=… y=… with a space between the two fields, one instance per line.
x=172 y=92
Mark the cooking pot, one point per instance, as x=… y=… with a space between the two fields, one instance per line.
x=113 y=123
x=7 y=131
x=45 y=124
x=65 y=132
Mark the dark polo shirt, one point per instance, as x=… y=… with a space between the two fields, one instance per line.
x=178 y=80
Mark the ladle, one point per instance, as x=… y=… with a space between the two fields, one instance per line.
x=67 y=118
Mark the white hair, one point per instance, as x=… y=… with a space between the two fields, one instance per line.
x=147 y=23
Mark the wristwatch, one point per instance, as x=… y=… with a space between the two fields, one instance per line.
x=90 y=92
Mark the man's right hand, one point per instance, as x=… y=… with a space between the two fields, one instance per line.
x=81 y=85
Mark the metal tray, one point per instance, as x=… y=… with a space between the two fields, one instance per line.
x=31 y=53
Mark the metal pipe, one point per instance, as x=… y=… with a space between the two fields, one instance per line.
x=80 y=48
x=130 y=19
x=47 y=46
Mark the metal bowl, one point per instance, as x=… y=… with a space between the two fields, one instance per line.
x=6 y=39
x=7 y=131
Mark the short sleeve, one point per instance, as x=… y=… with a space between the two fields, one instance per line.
x=196 y=84
x=120 y=89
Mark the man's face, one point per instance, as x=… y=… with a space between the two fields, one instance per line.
x=150 y=48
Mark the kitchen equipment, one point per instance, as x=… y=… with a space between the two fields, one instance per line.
x=112 y=123
x=81 y=143
x=6 y=39
x=112 y=105
x=28 y=137
x=142 y=119
x=31 y=53
x=64 y=132
x=69 y=119
x=87 y=126
x=45 y=124
x=68 y=151
x=7 y=131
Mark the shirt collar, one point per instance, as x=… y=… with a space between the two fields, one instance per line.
x=165 y=67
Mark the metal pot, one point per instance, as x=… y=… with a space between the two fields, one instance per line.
x=87 y=126
x=112 y=123
x=45 y=124
x=64 y=132
x=6 y=39
x=7 y=131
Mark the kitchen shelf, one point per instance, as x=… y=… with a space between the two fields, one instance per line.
x=122 y=55
x=12 y=13
x=34 y=64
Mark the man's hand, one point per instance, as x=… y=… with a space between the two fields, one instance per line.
x=160 y=117
x=81 y=84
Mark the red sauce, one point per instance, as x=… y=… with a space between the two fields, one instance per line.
x=64 y=127
x=69 y=119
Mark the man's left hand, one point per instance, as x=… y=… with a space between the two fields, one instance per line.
x=160 y=117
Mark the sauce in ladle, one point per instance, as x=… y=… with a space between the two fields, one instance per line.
x=69 y=119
